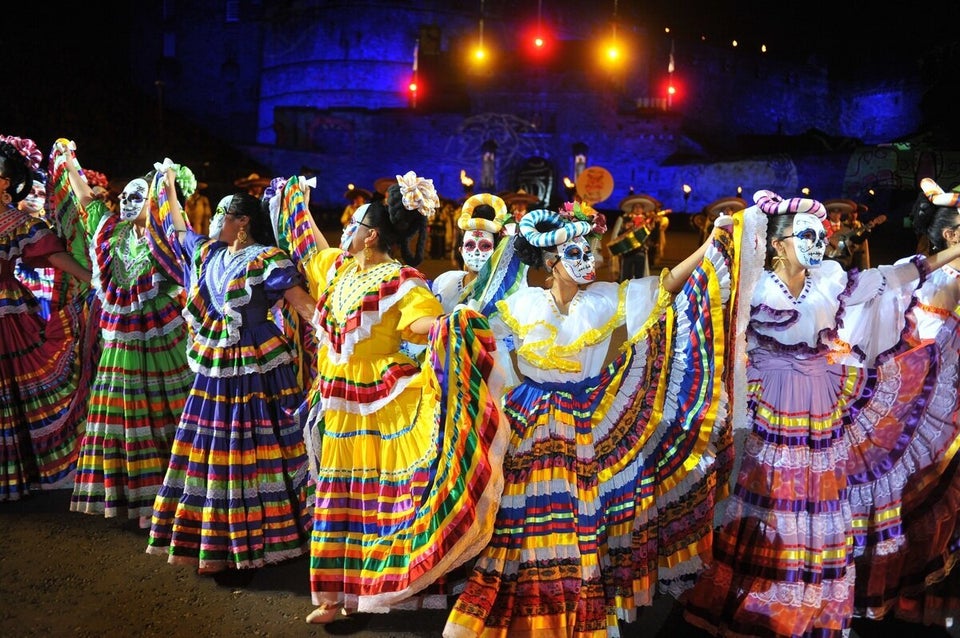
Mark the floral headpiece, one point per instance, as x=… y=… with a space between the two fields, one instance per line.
x=583 y=212
x=27 y=147
x=772 y=204
x=96 y=178
x=418 y=194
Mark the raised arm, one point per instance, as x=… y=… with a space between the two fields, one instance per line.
x=679 y=274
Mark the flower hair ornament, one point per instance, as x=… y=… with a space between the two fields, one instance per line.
x=418 y=193
x=467 y=221
x=548 y=239
x=581 y=211
x=937 y=196
x=772 y=204
x=27 y=147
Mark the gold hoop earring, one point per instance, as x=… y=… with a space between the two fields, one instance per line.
x=242 y=236
x=778 y=261
x=5 y=199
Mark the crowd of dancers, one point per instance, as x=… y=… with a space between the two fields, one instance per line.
x=765 y=436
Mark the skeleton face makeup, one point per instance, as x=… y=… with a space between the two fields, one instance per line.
x=33 y=203
x=576 y=257
x=477 y=249
x=133 y=198
x=346 y=239
x=220 y=217
x=809 y=240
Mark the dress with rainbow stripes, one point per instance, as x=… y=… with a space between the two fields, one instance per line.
x=612 y=469
x=408 y=473
x=141 y=379
x=235 y=495
x=43 y=396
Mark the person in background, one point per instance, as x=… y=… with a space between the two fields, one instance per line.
x=578 y=542
x=406 y=454
x=198 y=211
x=356 y=197
x=234 y=497
x=253 y=184
x=837 y=416
x=142 y=377
x=43 y=393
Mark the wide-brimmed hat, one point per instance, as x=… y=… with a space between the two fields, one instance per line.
x=352 y=193
x=382 y=184
x=843 y=206
x=725 y=204
x=519 y=197
x=649 y=204
x=253 y=179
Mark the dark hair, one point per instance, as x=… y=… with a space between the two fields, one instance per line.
x=396 y=224
x=14 y=166
x=528 y=253
x=777 y=227
x=929 y=222
x=261 y=230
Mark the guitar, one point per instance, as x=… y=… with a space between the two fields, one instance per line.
x=843 y=244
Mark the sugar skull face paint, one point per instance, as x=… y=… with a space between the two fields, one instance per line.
x=33 y=203
x=477 y=249
x=132 y=199
x=576 y=257
x=346 y=239
x=809 y=240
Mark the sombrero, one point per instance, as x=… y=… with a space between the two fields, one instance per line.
x=351 y=193
x=519 y=197
x=649 y=204
x=253 y=179
x=843 y=206
x=382 y=184
x=725 y=204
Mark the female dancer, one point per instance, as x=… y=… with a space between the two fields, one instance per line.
x=831 y=439
x=234 y=496
x=142 y=378
x=576 y=545
x=42 y=386
x=408 y=454
x=491 y=271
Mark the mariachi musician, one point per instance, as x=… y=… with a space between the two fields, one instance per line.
x=639 y=235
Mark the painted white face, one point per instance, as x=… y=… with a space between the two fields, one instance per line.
x=33 y=203
x=809 y=240
x=133 y=198
x=477 y=249
x=219 y=217
x=346 y=239
x=576 y=257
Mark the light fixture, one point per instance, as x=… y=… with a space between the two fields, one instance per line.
x=805 y=191
x=686 y=195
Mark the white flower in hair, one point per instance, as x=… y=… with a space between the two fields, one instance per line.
x=418 y=193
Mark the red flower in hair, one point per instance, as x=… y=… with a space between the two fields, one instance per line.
x=95 y=178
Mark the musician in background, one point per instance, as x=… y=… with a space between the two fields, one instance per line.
x=847 y=235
